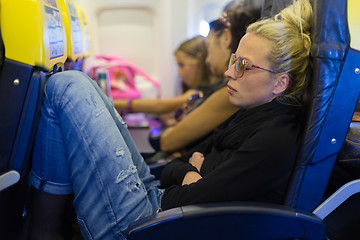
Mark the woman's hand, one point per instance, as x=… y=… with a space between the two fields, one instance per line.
x=197 y=160
x=190 y=177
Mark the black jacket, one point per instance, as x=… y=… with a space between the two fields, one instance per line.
x=247 y=158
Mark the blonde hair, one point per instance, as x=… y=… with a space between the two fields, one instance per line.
x=289 y=33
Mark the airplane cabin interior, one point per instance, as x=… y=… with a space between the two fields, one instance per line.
x=129 y=49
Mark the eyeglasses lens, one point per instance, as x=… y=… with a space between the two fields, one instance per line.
x=239 y=64
x=231 y=61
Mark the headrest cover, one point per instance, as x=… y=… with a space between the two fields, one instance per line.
x=354 y=23
x=33 y=32
x=86 y=31
x=73 y=30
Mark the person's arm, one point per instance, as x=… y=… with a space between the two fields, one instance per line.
x=200 y=122
x=261 y=165
x=155 y=106
x=174 y=172
x=191 y=177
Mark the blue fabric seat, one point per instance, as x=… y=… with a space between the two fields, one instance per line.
x=27 y=59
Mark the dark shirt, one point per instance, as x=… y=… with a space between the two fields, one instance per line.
x=249 y=157
x=210 y=89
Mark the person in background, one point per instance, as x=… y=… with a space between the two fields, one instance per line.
x=193 y=71
x=224 y=36
x=83 y=145
x=198 y=120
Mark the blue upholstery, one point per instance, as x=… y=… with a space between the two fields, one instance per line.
x=336 y=91
x=229 y=221
x=20 y=108
x=24 y=70
x=20 y=104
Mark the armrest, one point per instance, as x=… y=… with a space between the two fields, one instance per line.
x=243 y=220
x=335 y=200
x=8 y=179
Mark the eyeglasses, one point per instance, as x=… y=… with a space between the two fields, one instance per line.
x=241 y=65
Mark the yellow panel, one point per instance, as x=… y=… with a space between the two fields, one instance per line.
x=54 y=35
x=64 y=11
x=33 y=32
x=13 y=33
x=86 y=31
x=354 y=23
x=73 y=30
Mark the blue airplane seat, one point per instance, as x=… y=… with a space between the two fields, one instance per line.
x=341 y=209
x=29 y=54
x=334 y=93
x=335 y=96
x=246 y=220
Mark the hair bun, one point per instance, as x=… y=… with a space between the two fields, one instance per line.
x=299 y=15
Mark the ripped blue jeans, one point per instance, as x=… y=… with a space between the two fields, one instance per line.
x=84 y=146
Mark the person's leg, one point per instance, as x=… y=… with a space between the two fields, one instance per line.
x=46 y=213
x=142 y=168
x=100 y=160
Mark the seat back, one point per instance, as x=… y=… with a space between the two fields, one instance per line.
x=73 y=30
x=34 y=45
x=73 y=22
x=33 y=37
x=335 y=91
x=86 y=31
x=78 y=32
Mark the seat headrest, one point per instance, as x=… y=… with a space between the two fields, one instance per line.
x=33 y=32
x=76 y=30
x=86 y=31
x=73 y=30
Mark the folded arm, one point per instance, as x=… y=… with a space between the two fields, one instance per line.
x=259 y=169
